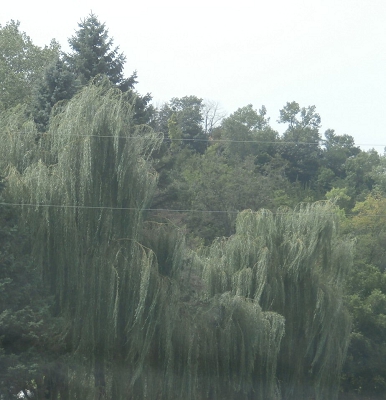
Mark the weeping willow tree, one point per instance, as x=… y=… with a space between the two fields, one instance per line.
x=132 y=330
x=17 y=139
x=256 y=316
x=292 y=263
x=99 y=183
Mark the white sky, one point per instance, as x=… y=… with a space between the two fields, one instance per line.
x=327 y=53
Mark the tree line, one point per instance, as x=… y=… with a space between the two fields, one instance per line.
x=174 y=251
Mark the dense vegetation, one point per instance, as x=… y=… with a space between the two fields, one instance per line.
x=175 y=252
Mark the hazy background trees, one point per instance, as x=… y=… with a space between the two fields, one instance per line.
x=21 y=64
x=149 y=261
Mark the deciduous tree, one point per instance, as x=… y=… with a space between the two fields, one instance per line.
x=21 y=63
x=301 y=142
x=365 y=370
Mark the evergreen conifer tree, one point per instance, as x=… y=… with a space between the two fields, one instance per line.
x=93 y=54
x=57 y=83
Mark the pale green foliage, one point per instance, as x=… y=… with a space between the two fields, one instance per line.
x=86 y=253
x=127 y=322
x=21 y=63
x=294 y=264
x=175 y=132
x=17 y=139
x=262 y=306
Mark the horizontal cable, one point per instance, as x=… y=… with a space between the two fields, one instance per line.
x=113 y=208
x=211 y=140
x=193 y=139
x=153 y=209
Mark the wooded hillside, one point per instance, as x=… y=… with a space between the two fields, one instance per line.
x=176 y=252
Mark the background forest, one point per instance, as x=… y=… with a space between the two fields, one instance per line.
x=176 y=252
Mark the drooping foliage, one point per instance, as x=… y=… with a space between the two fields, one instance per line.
x=74 y=239
x=294 y=264
x=127 y=323
x=29 y=340
x=18 y=139
x=256 y=316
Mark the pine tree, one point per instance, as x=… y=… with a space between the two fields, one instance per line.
x=56 y=84
x=93 y=54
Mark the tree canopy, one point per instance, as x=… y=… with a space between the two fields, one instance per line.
x=174 y=252
x=21 y=63
x=93 y=54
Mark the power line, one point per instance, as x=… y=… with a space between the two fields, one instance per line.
x=147 y=209
x=114 y=208
x=211 y=140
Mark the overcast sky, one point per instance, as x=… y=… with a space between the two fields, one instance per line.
x=327 y=53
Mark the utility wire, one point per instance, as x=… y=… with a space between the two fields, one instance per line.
x=164 y=209
x=193 y=139
x=211 y=140
x=112 y=208
x=148 y=209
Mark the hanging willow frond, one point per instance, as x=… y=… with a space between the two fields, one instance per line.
x=18 y=146
x=266 y=311
x=292 y=263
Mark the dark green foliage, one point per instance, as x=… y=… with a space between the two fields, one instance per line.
x=143 y=110
x=300 y=147
x=30 y=345
x=218 y=191
x=181 y=121
x=141 y=312
x=133 y=327
x=189 y=118
x=337 y=149
x=167 y=243
x=365 y=368
x=93 y=54
x=56 y=84
x=359 y=173
x=247 y=134
x=94 y=57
